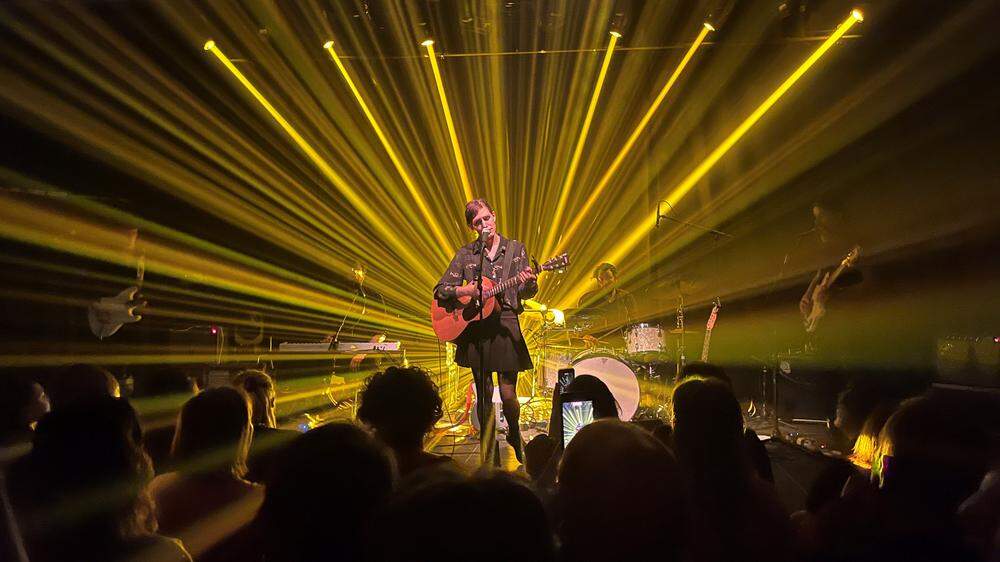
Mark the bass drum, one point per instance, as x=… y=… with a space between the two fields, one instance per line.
x=618 y=375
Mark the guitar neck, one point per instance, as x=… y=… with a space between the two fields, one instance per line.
x=704 y=347
x=500 y=287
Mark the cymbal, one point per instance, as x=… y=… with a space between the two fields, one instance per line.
x=678 y=331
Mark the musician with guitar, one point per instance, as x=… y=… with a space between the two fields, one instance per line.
x=831 y=232
x=493 y=344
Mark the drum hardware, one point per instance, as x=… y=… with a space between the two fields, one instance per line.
x=644 y=338
x=680 y=332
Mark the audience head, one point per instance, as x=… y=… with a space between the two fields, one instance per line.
x=81 y=383
x=22 y=403
x=538 y=454
x=414 y=519
x=708 y=431
x=165 y=381
x=866 y=444
x=401 y=404
x=706 y=370
x=88 y=475
x=259 y=386
x=933 y=450
x=620 y=495
x=325 y=489
x=593 y=388
x=213 y=433
x=855 y=403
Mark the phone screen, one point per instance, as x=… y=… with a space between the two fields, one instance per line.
x=575 y=415
x=566 y=376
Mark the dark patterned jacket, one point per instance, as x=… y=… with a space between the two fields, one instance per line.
x=465 y=263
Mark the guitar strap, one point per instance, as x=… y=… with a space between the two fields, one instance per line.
x=513 y=247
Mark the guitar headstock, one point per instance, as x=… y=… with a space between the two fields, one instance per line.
x=714 y=315
x=851 y=257
x=559 y=262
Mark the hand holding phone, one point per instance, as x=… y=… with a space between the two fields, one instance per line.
x=566 y=376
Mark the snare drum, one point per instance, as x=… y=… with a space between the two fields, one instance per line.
x=618 y=375
x=644 y=338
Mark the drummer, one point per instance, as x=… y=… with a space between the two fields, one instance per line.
x=616 y=306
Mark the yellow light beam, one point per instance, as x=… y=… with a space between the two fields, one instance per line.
x=639 y=129
x=459 y=161
x=429 y=218
x=555 y=225
x=633 y=239
x=353 y=197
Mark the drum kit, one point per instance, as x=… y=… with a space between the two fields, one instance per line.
x=638 y=362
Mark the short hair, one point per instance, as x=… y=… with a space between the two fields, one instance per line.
x=412 y=517
x=213 y=432
x=473 y=207
x=401 y=403
x=326 y=487
x=616 y=477
x=706 y=370
x=538 y=455
x=606 y=266
x=164 y=381
x=259 y=386
x=81 y=382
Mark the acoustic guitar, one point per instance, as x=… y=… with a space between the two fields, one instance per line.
x=450 y=318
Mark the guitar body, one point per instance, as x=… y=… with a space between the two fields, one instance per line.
x=452 y=318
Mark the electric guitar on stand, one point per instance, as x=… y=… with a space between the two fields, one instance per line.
x=708 y=328
x=450 y=318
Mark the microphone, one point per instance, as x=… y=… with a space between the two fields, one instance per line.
x=483 y=236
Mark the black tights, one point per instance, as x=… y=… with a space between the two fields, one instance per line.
x=487 y=422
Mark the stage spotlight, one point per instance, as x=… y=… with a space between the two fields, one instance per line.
x=598 y=189
x=857 y=15
x=452 y=134
x=209 y=45
x=356 y=199
x=629 y=242
x=555 y=223
x=709 y=26
x=558 y=317
x=411 y=187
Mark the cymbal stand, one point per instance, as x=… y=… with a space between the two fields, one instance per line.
x=680 y=341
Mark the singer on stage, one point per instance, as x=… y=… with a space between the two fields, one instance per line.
x=498 y=336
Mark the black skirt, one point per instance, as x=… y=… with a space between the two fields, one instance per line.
x=503 y=345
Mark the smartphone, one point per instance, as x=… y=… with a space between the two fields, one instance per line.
x=566 y=376
x=577 y=411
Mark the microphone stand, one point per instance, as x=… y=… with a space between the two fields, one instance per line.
x=715 y=232
x=484 y=401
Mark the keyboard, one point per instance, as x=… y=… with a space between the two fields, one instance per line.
x=341 y=347
x=364 y=346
